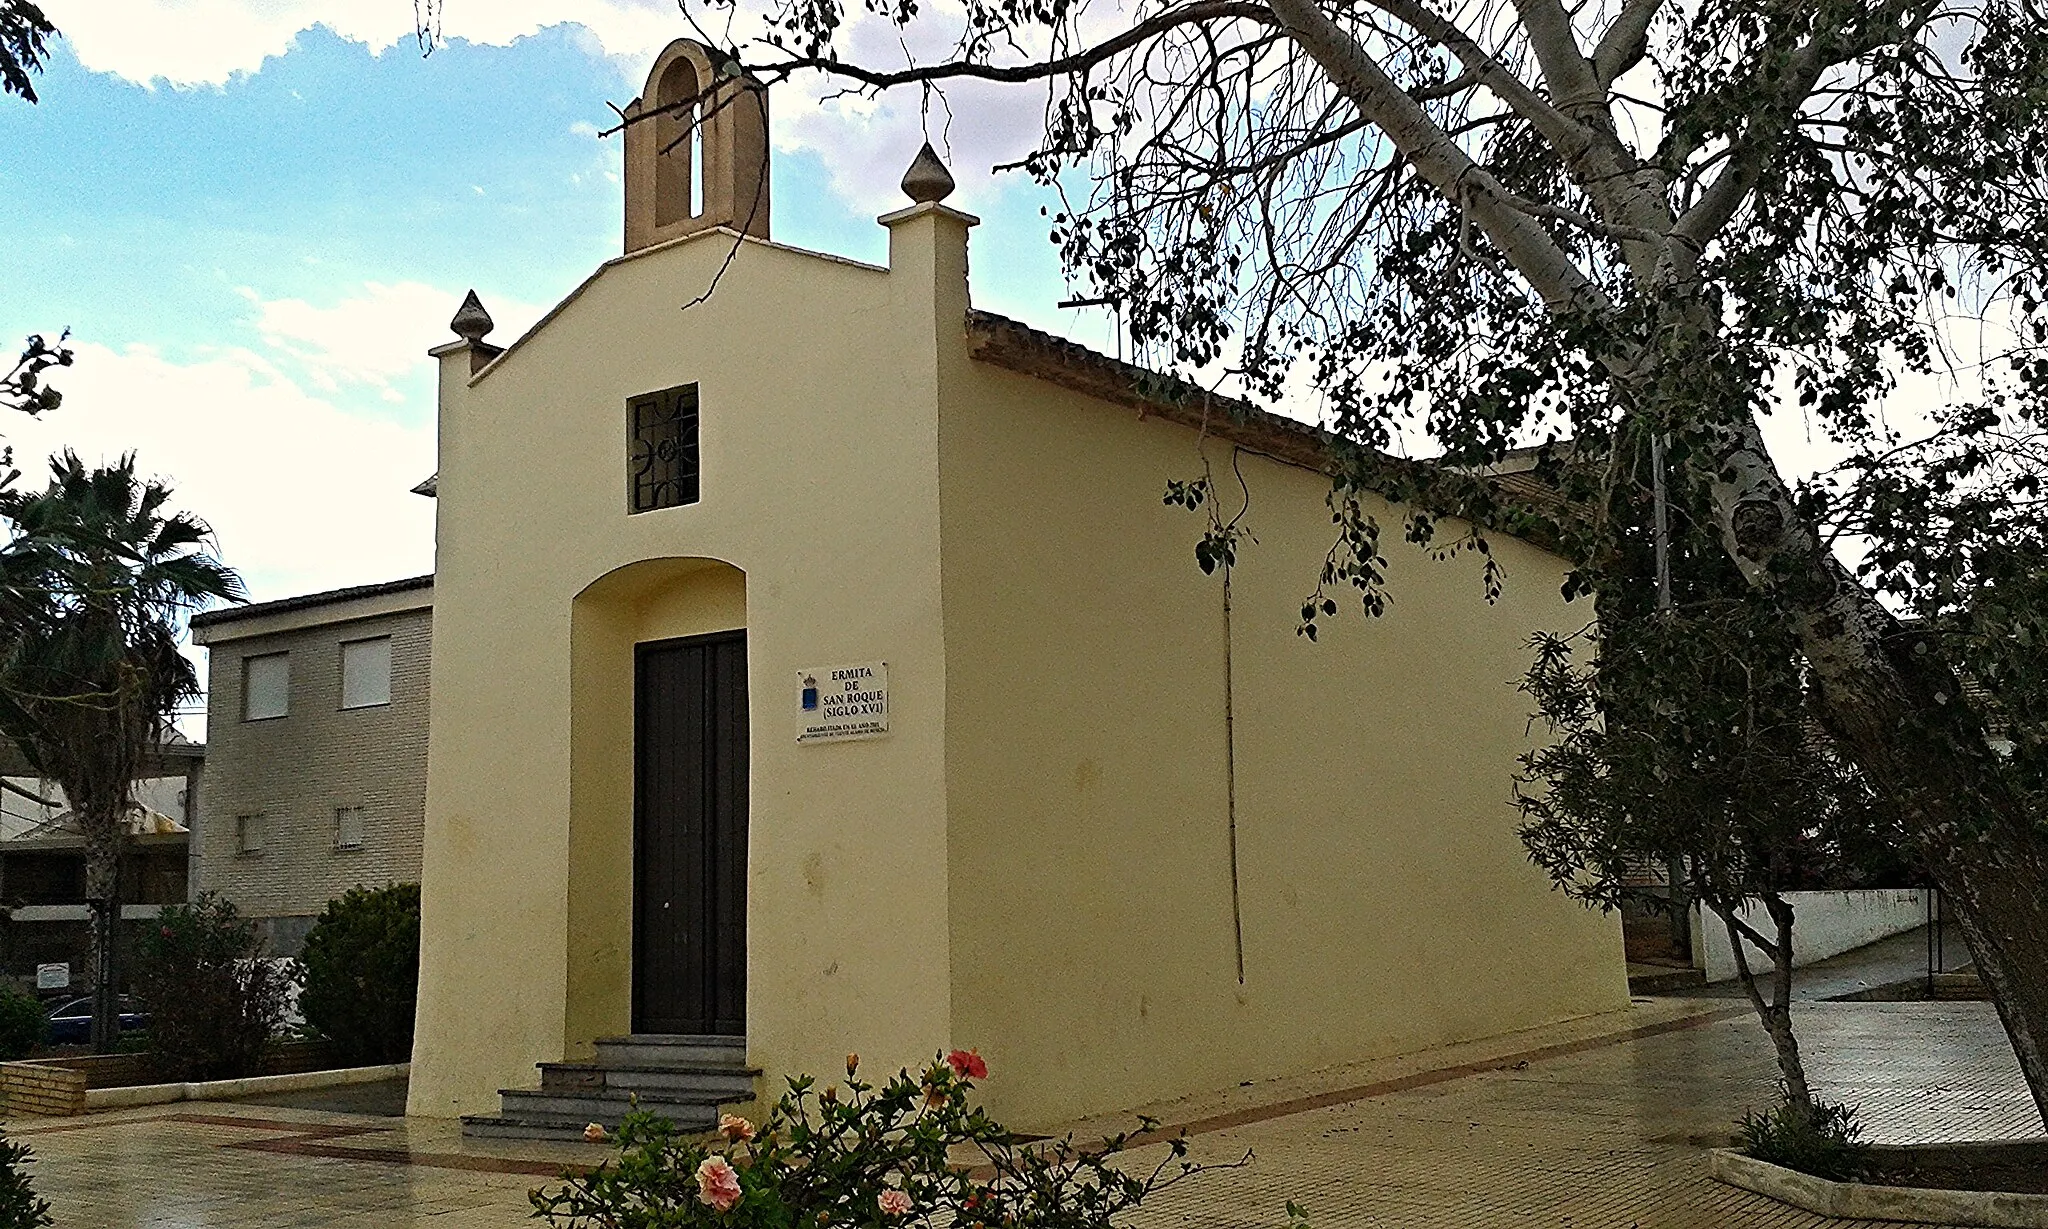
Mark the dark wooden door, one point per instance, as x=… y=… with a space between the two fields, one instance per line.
x=690 y=836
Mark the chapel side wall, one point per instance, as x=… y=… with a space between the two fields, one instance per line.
x=819 y=439
x=296 y=769
x=1387 y=903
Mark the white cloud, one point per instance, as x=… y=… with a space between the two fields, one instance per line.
x=301 y=494
x=865 y=144
x=207 y=42
x=306 y=484
x=374 y=338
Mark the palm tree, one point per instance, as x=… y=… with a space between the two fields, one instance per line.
x=93 y=582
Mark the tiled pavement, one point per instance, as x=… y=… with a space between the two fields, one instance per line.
x=1594 y=1124
x=1610 y=1136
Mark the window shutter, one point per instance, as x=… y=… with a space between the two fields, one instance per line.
x=266 y=686
x=366 y=672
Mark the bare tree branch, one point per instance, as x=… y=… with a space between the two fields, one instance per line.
x=1549 y=269
x=1200 y=13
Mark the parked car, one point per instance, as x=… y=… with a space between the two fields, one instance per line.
x=71 y=1020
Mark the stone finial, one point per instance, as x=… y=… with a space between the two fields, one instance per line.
x=927 y=180
x=471 y=321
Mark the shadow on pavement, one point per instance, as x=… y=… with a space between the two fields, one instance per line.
x=384 y=1098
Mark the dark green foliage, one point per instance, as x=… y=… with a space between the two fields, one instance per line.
x=1685 y=729
x=1690 y=740
x=873 y=1156
x=1823 y=1139
x=24 y=33
x=20 y=1206
x=23 y=1026
x=214 y=1001
x=362 y=972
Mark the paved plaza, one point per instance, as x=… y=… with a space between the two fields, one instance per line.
x=1593 y=1124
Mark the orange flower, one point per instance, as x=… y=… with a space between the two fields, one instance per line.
x=967 y=1064
x=852 y=1065
x=735 y=1128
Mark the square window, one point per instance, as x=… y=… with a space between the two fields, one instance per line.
x=348 y=827
x=661 y=449
x=249 y=835
x=266 y=686
x=366 y=672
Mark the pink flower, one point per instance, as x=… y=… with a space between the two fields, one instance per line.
x=594 y=1133
x=735 y=1128
x=718 y=1184
x=967 y=1064
x=893 y=1203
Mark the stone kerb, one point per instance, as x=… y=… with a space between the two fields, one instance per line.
x=1862 y=1201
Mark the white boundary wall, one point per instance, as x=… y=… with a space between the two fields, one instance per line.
x=1824 y=924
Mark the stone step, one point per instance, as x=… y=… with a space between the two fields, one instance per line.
x=528 y=1125
x=684 y=1078
x=608 y=1106
x=688 y=1082
x=670 y=1049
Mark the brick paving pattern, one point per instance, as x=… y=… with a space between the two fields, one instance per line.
x=1566 y=1128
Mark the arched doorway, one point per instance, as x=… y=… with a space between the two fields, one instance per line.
x=659 y=787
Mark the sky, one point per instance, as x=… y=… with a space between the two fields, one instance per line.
x=256 y=216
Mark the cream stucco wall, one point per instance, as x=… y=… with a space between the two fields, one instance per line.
x=819 y=441
x=1035 y=860
x=1387 y=904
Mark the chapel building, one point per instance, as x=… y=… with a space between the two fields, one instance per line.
x=818 y=669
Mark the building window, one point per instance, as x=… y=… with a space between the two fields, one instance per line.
x=266 y=686
x=661 y=458
x=348 y=827
x=366 y=672
x=249 y=835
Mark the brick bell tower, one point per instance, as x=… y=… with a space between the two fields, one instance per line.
x=701 y=162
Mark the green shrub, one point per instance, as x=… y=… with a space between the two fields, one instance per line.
x=23 y=1026
x=361 y=973
x=20 y=1207
x=1823 y=1141
x=214 y=1002
x=860 y=1155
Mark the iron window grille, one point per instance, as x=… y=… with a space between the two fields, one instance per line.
x=662 y=460
x=348 y=827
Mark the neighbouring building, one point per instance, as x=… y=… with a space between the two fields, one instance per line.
x=317 y=750
x=817 y=669
x=42 y=859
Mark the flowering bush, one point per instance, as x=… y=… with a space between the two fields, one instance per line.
x=214 y=1001
x=908 y=1154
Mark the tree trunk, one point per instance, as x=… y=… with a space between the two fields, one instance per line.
x=1776 y=1013
x=1898 y=709
x=103 y=898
